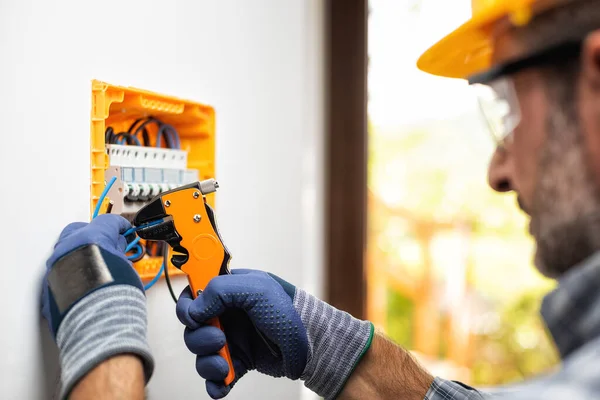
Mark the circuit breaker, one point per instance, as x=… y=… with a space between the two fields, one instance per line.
x=146 y=143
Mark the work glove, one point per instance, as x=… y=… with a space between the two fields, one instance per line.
x=306 y=338
x=93 y=299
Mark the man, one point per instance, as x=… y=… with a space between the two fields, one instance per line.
x=542 y=102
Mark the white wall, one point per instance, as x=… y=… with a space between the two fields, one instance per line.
x=258 y=62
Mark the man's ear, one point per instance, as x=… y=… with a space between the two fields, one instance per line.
x=589 y=98
x=590 y=61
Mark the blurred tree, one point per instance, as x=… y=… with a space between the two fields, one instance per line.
x=401 y=310
x=519 y=348
x=437 y=173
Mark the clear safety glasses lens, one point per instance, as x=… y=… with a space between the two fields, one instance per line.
x=499 y=106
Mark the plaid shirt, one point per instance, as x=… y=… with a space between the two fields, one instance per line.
x=572 y=314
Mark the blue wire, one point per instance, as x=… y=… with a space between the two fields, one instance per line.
x=159 y=139
x=102 y=196
x=131 y=245
x=130 y=231
x=139 y=250
x=123 y=141
x=156 y=278
x=135 y=242
x=137 y=141
x=138 y=253
x=176 y=137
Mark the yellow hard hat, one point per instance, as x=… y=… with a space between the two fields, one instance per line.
x=468 y=49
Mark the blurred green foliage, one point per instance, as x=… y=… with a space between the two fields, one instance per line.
x=519 y=348
x=400 y=314
x=438 y=174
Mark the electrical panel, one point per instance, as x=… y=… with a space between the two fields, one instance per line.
x=146 y=143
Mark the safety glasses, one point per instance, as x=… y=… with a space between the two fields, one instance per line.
x=496 y=93
x=499 y=107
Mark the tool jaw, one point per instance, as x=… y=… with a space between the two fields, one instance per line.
x=189 y=226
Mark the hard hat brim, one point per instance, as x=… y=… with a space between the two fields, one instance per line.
x=468 y=49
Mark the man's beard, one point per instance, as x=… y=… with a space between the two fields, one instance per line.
x=565 y=213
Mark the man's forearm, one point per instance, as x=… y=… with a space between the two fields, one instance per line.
x=119 y=377
x=387 y=372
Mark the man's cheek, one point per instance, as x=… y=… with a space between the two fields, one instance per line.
x=528 y=144
x=525 y=171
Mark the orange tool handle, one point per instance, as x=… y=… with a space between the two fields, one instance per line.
x=198 y=278
x=224 y=352
x=208 y=257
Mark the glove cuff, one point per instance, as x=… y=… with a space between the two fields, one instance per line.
x=107 y=322
x=337 y=341
x=79 y=273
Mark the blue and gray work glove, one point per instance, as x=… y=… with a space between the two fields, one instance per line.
x=93 y=299
x=307 y=338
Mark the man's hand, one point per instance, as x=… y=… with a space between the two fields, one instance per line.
x=307 y=338
x=94 y=301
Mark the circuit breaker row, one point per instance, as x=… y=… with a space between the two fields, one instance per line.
x=143 y=173
x=141 y=184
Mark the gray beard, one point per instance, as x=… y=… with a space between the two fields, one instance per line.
x=563 y=248
x=565 y=214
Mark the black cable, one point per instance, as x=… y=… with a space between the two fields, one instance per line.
x=149 y=120
x=145 y=121
x=108 y=134
x=145 y=134
x=129 y=139
x=159 y=251
x=142 y=253
x=167 y=278
x=146 y=137
x=164 y=131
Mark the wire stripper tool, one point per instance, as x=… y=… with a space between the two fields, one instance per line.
x=182 y=218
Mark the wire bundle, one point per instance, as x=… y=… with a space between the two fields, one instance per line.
x=165 y=132
x=135 y=244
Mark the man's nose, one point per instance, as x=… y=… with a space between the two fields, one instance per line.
x=499 y=171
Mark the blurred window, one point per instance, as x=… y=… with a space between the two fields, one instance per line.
x=449 y=261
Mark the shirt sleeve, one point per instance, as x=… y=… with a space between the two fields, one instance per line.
x=442 y=389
